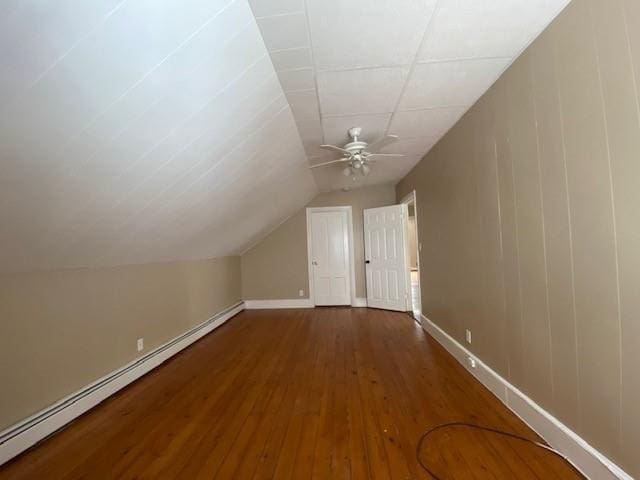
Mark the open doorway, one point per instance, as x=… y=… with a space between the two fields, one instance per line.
x=413 y=256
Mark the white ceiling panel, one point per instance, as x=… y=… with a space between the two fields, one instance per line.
x=312 y=137
x=433 y=122
x=411 y=147
x=329 y=179
x=125 y=125
x=373 y=60
x=283 y=32
x=265 y=8
x=35 y=34
x=134 y=118
x=450 y=83
x=299 y=79
x=304 y=104
x=496 y=28
x=373 y=90
x=383 y=169
x=373 y=127
x=362 y=33
x=310 y=128
x=292 y=59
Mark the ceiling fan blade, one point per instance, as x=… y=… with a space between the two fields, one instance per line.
x=340 y=160
x=380 y=142
x=385 y=155
x=337 y=149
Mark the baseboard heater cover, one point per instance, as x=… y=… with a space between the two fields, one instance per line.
x=28 y=432
x=584 y=457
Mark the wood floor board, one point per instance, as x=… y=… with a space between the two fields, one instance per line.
x=325 y=393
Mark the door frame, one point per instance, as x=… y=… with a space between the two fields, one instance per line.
x=411 y=199
x=352 y=269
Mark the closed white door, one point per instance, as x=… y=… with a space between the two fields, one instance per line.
x=384 y=246
x=330 y=258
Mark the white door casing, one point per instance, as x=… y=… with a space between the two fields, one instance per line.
x=329 y=256
x=410 y=199
x=384 y=244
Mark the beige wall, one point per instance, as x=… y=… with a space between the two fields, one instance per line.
x=276 y=268
x=529 y=216
x=60 y=330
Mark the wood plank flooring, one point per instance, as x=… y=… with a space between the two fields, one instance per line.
x=326 y=393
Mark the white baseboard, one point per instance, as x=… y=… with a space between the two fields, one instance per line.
x=292 y=303
x=359 y=302
x=584 y=457
x=285 y=303
x=28 y=432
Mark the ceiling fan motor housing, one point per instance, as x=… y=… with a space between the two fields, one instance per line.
x=355 y=147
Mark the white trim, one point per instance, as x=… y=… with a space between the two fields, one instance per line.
x=408 y=295
x=292 y=303
x=352 y=268
x=360 y=302
x=283 y=303
x=408 y=199
x=584 y=457
x=28 y=432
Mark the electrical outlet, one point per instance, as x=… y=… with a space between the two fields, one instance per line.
x=301 y=293
x=140 y=344
x=468 y=336
x=472 y=362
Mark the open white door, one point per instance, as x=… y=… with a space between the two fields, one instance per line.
x=329 y=254
x=384 y=250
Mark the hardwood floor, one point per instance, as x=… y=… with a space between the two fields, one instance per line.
x=294 y=394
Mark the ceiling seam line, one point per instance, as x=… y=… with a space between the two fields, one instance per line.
x=461 y=59
x=366 y=67
x=291 y=49
x=275 y=15
x=85 y=208
x=64 y=55
x=155 y=67
x=412 y=68
x=172 y=212
x=315 y=71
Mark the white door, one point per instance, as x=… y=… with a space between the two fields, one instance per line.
x=384 y=251
x=330 y=258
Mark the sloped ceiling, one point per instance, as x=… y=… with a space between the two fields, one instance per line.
x=149 y=130
x=407 y=67
x=138 y=131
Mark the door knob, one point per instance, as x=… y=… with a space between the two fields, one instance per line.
x=367 y=261
x=314 y=263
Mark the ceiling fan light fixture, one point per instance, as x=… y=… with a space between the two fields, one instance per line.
x=357 y=153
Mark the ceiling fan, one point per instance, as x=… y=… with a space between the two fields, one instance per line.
x=357 y=154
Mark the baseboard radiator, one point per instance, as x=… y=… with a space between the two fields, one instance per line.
x=30 y=431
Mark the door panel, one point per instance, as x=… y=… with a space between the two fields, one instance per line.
x=330 y=258
x=386 y=270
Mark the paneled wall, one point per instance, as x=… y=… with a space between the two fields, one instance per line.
x=529 y=216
